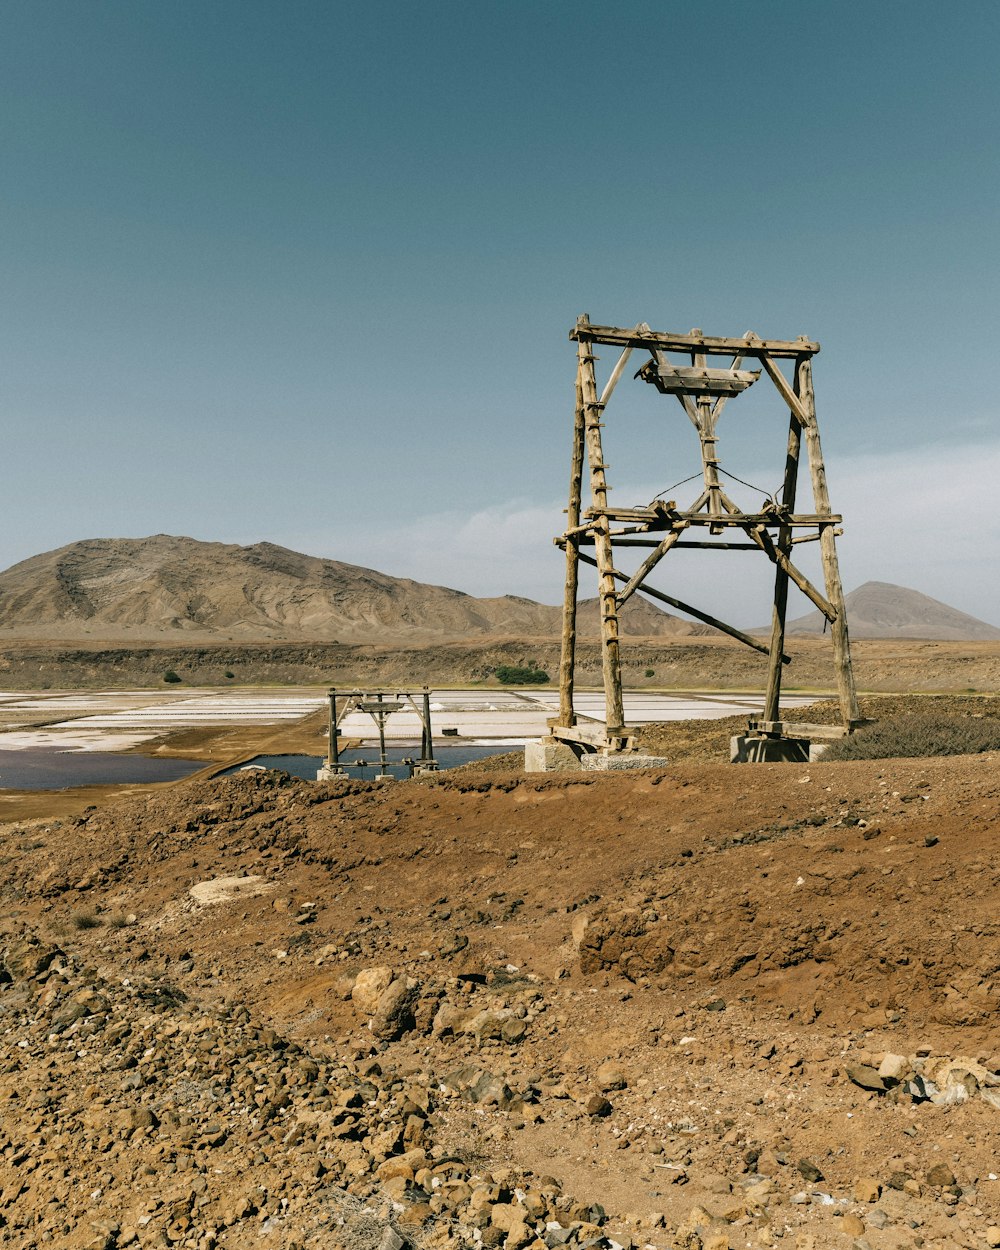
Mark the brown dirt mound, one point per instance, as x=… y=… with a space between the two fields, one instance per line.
x=661 y=989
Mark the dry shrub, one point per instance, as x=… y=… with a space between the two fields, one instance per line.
x=922 y=734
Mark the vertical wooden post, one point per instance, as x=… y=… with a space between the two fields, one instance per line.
x=784 y=545
x=333 y=749
x=567 y=663
x=380 y=718
x=706 y=436
x=427 y=745
x=828 y=551
x=593 y=409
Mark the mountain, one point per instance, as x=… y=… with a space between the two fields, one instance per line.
x=161 y=588
x=881 y=610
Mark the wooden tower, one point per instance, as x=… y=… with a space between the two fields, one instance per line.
x=711 y=522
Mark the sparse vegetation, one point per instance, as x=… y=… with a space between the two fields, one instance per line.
x=511 y=674
x=909 y=737
x=170 y=676
x=85 y=920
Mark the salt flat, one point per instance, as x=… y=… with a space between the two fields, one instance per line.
x=118 y=720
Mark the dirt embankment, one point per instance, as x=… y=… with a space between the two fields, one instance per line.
x=712 y=1007
x=708 y=664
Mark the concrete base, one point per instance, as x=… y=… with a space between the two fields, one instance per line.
x=327 y=772
x=549 y=755
x=615 y=762
x=746 y=750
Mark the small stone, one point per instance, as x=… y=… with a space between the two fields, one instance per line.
x=597 y=1105
x=852 y=1225
x=993 y=1235
x=809 y=1171
x=941 y=1175
x=369 y=986
x=610 y=1077
x=867 y=1189
x=865 y=1077
x=893 y=1067
x=393 y=1015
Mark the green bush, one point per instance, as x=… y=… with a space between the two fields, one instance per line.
x=650 y=672
x=511 y=674
x=170 y=676
x=910 y=737
x=227 y=673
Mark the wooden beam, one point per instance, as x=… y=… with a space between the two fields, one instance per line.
x=567 y=660
x=828 y=551
x=759 y=534
x=647 y=566
x=619 y=368
x=697 y=613
x=610 y=646
x=786 y=392
x=685 y=545
x=771 y=519
x=615 y=336
x=672 y=379
x=779 y=607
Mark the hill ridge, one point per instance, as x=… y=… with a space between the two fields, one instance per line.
x=148 y=589
x=884 y=610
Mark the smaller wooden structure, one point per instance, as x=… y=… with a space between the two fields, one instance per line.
x=379 y=705
x=712 y=521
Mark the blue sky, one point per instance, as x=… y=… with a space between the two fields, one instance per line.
x=304 y=272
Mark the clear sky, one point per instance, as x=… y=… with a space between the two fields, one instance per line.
x=304 y=271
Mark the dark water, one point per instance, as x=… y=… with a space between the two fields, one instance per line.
x=60 y=770
x=305 y=766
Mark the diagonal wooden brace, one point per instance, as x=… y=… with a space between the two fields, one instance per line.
x=650 y=563
x=763 y=540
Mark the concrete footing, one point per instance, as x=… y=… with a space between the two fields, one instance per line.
x=553 y=755
x=757 y=750
x=550 y=755
x=327 y=772
x=620 y=762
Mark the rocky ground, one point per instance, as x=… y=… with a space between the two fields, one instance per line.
x=710 y=1007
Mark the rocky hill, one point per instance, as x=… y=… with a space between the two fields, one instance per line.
x=881 y=610
x=152 y=589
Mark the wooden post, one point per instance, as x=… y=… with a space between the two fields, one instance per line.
x=610 y=648
x=784 y=545
x=380 y=718
x=333 y=749
x=828 y=550
x=706 y=435
x=567 y=662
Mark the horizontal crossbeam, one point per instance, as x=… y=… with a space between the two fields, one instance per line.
x=710 y=346
x=737 y=519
